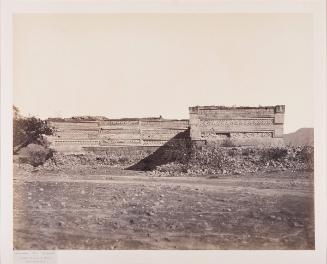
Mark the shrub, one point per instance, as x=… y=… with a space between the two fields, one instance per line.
x=232 y=152
x=306 y=155
x=276 y=154
x=35 y=154
x=123 y=160
x=210 y=157
x=227 y=143
x=247 y=151
x=101 y=159
x=28 y=130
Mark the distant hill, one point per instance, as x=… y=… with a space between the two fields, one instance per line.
x=301 y=137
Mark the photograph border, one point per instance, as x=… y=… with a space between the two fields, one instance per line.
x=316 y=8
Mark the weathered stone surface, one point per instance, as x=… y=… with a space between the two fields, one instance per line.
x=238 y=125
x=74 y=136
x=208 y=124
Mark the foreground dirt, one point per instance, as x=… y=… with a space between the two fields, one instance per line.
x=134 y=210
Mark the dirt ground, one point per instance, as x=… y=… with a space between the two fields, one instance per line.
x=136 y=210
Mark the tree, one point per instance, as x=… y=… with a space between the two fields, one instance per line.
x=28 y=130
x=16 y=112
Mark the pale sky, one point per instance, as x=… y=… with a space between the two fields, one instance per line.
x=138 y=65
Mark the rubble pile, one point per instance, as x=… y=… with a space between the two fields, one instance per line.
x=206 y=160
x=242 y=160
x=61 y=161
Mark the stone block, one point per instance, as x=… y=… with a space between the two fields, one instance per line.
x=247 y=125
x=278 y=131
x=280 y=109
x=279 y=118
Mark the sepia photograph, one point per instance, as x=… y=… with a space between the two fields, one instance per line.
x=167 y=131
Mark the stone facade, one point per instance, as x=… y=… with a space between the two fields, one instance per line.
x=208 y=125
x=72 y=135
x=237 y=125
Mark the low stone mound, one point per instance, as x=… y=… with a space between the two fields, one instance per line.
x=206 y=160
x=241 y=160
x=61 y=161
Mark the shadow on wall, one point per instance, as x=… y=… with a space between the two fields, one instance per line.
x=176 y=149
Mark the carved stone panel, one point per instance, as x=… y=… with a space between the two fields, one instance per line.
x=236 y=125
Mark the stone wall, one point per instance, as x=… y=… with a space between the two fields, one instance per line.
x=208 y=125
x=237 y=125
x=75 y=136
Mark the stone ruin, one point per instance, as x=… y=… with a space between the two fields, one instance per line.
x=76 y=135
x=237 y=125
x=218 y=125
